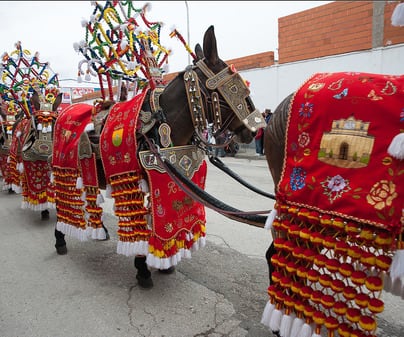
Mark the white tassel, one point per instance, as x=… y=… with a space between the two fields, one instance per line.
x=100 y=199
x=397 y=265
x=316 y=335
x=306 y=330
x=89 y=127
x=52 y=178
x=39 y=127
x=108 y=191
x=18 y=134
x=270 y=219
x=266 y=315
x=275 y=322
x=79 y=182
x=397 y=18
x=387 y=282
x=402 y=289
x=396 y=288
x=21 y=167
x=143 y=185
x=286 y=325
x=296 y=326
x=396 y=147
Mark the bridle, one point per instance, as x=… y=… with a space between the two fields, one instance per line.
x=225 y=89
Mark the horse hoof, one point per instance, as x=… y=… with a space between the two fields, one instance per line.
x=61 y=250
x=168 y=270
x=144 y=282
x=45 y=215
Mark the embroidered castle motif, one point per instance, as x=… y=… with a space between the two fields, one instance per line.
x=348 y=144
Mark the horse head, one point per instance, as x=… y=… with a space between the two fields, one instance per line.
x=41 y=129
x=213 y=92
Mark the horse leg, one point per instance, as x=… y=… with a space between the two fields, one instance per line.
x=270 y=251
x=107 y=237
x=143 y=275
x=60 y=245
x=45 y=214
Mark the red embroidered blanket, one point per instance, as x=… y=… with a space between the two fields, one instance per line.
x=339 y=205
x=69 y=126
x=339 y=129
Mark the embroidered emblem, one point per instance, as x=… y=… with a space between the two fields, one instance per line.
x=348 y=144
x=117 y=137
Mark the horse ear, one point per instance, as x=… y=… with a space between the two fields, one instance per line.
x=199 y=52
x=35 y=101
x=57 y=102
x=210 y=47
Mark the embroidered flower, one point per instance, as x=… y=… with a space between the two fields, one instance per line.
x=334 y=187
x=382 y=194
x=304 y=139
x=306 y=109
x=336 y=183
x=297 y=178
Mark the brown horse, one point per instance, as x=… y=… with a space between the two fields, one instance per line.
x=335 y=201
x=172 y=119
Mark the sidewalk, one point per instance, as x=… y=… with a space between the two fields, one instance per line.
x=247 y=151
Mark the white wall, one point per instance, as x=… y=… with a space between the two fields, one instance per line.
x=269 y=86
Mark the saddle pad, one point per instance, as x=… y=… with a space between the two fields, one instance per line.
x=118 y=137
x=336 y=160
x=339 y=205
x=69 y=126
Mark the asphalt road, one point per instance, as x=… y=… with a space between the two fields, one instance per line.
x=92 y=291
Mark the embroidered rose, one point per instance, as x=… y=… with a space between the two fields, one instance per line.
x=304 y=139
x=382 y=194
x=336 y=183
x=334 y=187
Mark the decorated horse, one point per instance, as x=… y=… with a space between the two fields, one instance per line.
x=31 y=88
x=7 y=120
x=129 y=148
x=335 y=149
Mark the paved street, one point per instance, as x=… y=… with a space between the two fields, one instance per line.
x=92 y=290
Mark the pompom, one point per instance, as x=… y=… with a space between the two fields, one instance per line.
x=396 y=147
x=397 y=18
x=87 y=77
x=84 y=23
x=76 y=47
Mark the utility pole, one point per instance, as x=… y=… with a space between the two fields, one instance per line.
x=188 y=39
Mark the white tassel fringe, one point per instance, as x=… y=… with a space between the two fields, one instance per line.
x=397 y=265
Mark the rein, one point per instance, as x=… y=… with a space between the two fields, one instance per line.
x=219 y=164
x=196 y=193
